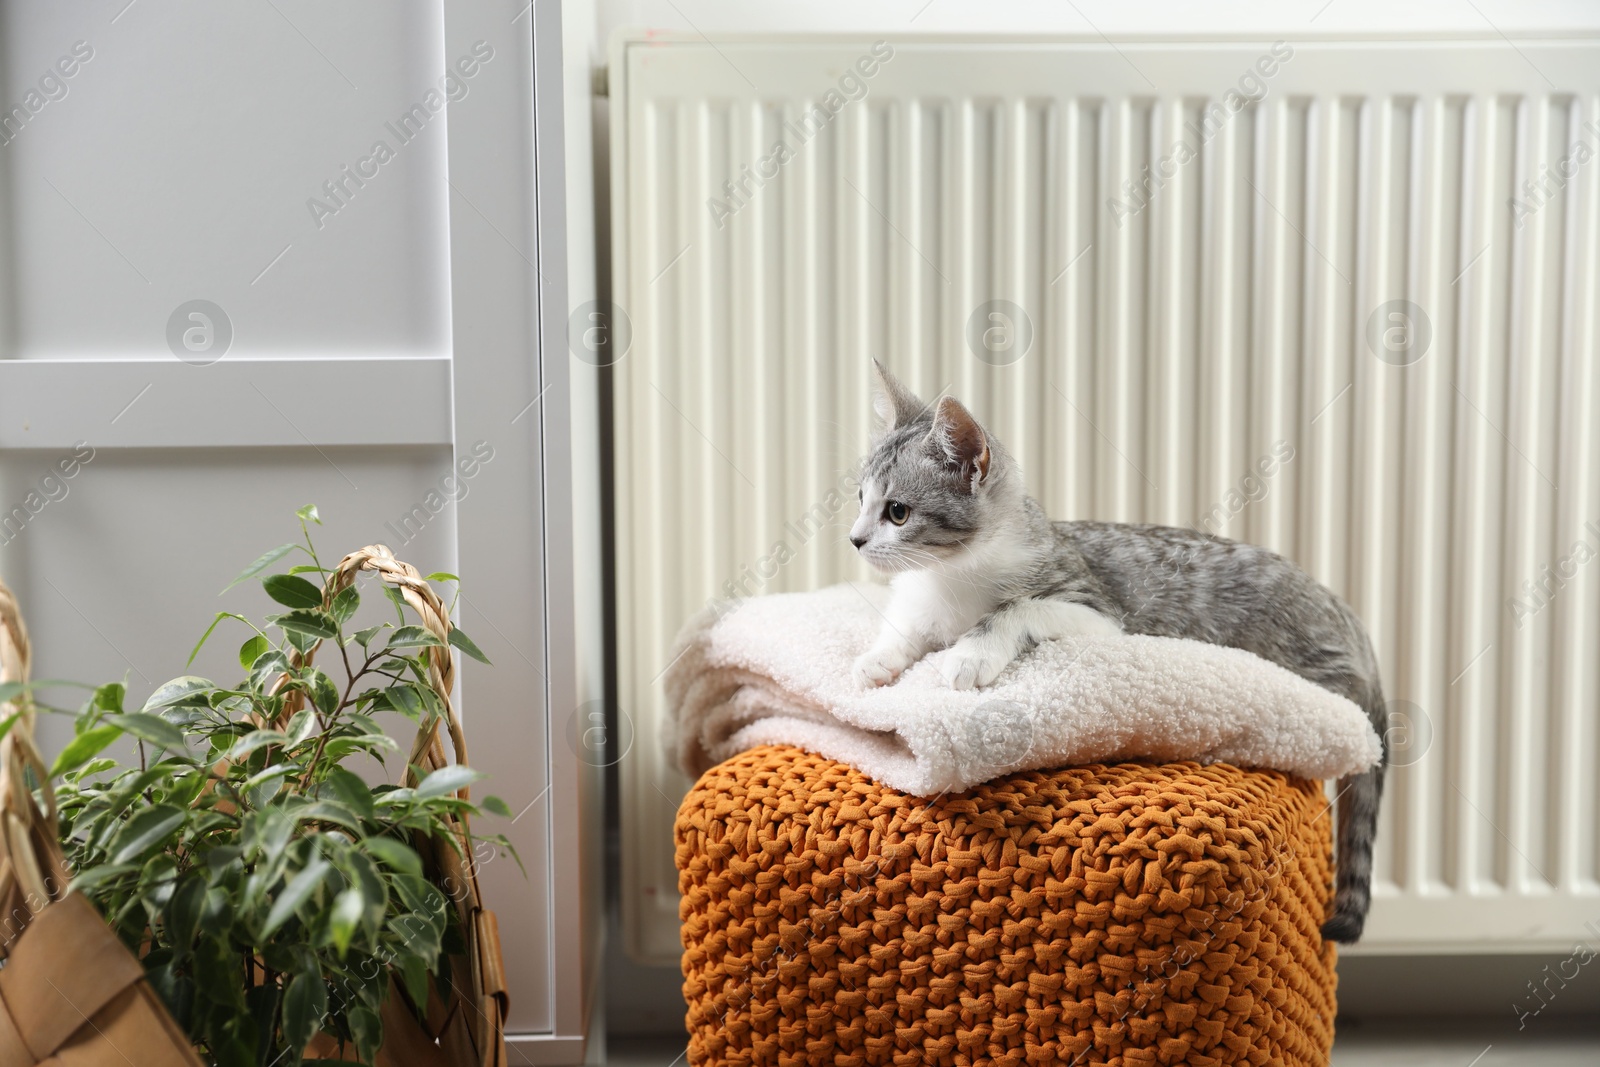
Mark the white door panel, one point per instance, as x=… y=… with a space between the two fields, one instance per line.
x=179 y=164
x=121 y=575
x=362 y=197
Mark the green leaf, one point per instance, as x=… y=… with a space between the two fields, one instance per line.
x=93 y=767
x=109 y=697
x=222 y=856
x=348 y=788
x=402 y=665
x=446 y=780
x=182 y=918
x=364 y=637
x=442 y=576
x=177 y=691
x=413 y=637
x=324 y=694
x=364 y=723
x=160 y=875
x=394 y=854
x=277 y=770
x=345 y=604
x=253 y=740
x=397 y=599
x=496 y=806
x=373 y=745
x=367 y=1030
x=407 y=700
x=187 y=788
x=304 y=622
x=414 y=973
x=177 y=992
x=218 y=907
x=253 y=650
x=301 y=643
x=261 y=795
x=309 y=514
x=420 y=895
x=344 y=918
x=364 y=875
x=11 y=690
x=83 y=748
x=304 y=1004
x=294 y=894
x=330 y=811
x=392 y=798
x=146 y=830
x=151 y=728
x=121 y=793
x=265 y=560
x=230 y=1041
x=292 y=592
x=302 y=725
x=421 y=935
x=465 y=644
x=269 y=665
x=262 y=1004
x=86 y=879
x=198 y=645
x=276 y=830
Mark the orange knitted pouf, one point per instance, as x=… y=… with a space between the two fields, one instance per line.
x=1127 y=914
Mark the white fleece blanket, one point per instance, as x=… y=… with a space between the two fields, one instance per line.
x=776 y=670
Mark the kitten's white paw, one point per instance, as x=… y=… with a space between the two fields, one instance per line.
x=971 y=666
x=879 y=667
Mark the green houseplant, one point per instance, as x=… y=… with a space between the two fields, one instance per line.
x=281 y=904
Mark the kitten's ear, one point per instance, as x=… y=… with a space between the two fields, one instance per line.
x=895 y=404
x=963 y=441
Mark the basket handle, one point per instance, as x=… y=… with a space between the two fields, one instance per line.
x=427 y=750
x=30 y=856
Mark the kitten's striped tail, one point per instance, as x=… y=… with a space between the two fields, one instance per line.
x=1357 y=812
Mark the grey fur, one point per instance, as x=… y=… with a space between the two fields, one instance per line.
x=964 y=492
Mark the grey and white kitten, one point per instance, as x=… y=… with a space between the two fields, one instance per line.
x=981 y=572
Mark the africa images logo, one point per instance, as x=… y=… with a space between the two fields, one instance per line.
x=342 y=188
x=199 y=332
x=851 y=87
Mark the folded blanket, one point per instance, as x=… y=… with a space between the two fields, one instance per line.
x=776 y=670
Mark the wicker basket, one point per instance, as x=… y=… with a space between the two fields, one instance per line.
x=1128 y=914
x=469 y=1029
x=70 y=992
x=69 y=984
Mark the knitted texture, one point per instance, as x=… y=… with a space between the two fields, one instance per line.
x=1127 y=914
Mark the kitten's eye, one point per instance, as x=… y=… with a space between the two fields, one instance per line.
x=897 y=512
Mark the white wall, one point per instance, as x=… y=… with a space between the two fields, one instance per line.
x=1297 y=17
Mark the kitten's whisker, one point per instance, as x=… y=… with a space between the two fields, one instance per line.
x=934 y=562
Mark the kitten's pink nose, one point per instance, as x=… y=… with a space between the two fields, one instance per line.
x=857 y=540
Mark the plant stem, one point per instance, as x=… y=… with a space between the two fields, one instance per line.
x=311 y=549
x=344 y=702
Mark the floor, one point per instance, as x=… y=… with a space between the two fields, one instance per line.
x=1467 y=1043
x=1434 y=1043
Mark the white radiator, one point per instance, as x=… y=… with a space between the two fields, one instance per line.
x=1352 y=319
